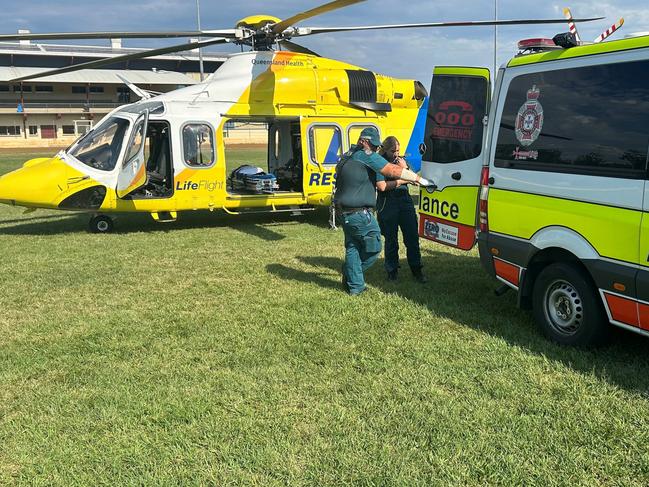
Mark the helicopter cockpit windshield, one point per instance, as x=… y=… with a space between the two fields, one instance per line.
x=100 y=148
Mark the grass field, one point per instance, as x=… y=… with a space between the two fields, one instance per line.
x=221 y=351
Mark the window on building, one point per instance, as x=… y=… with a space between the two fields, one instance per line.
x=79 y=90
x=48 y=131
x=4 y=87
x=123 y=94
x=325 y=144
x=198 y=145
x=33 y=130
x=68 y=130
x=587 y=120
x=9 y=130
x=26 y=88
x=45 y=88
x=96 y=89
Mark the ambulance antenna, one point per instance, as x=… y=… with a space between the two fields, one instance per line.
x=571 y=24
x=608 y=32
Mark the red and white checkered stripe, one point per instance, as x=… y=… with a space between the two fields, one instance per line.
x=571 y=24
x=610 y=30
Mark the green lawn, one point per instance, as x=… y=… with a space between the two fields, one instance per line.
x=220 y=350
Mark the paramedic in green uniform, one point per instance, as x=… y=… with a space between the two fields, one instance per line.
x=355 y=201
x=395 y=210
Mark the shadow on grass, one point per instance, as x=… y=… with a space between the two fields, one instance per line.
x=254 y=224
x=460 y=290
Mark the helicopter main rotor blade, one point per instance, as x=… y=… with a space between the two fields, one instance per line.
x=127 y=57
x=280 y=27
x=322 y=30
x=116 y=35
x=293 y=47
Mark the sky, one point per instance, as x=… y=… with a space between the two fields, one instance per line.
x=410 y=53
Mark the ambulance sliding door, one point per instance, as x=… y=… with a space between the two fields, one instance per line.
x=452 y=155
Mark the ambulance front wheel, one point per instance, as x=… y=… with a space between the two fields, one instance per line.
x=567 y=308
x=100 y=224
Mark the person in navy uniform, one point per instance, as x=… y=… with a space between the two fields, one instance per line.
x=395 y=210
x=355 y=202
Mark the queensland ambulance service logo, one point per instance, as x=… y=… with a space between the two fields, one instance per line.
x=529 y=120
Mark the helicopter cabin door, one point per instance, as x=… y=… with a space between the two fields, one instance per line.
x=132 y=174
x=452 y=155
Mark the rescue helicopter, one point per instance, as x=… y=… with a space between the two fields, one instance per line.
x=166 y=153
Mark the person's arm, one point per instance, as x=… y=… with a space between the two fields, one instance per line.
x=380 y=165
x=389 y=185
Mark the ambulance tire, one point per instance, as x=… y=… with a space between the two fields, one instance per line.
x=100 y=224
x=567 y=308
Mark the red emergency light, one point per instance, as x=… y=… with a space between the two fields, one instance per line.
x=537 y=44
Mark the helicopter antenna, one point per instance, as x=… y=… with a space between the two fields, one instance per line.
x=608 y=32
x=571 y=24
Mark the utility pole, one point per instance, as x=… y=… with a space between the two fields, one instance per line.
x=200 y=50
x=495 y=71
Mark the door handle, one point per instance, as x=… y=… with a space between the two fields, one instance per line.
x=456 y=176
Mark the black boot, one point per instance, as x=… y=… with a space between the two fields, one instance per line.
x=419 y=276
x=392 y=275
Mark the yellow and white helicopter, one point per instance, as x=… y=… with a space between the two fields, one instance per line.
x=166 y=153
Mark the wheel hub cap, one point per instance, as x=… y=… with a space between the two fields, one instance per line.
x=563 y=307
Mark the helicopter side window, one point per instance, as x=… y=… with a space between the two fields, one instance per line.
x=325 y=144
x=354 y=132
x=100 y=148
x=198 y=145
x=136 y=142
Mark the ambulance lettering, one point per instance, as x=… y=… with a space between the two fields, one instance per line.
x=455 y=121
x=435 y=207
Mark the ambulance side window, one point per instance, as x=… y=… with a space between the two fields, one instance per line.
x=590 y=120
x=455 y=113
x=198 y=145
x=325 y=144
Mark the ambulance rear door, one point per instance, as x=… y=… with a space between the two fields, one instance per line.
x=452 y=155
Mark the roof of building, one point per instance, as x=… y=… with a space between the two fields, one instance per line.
x=103 y=76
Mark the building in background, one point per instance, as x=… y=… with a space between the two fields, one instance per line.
x=53 y=111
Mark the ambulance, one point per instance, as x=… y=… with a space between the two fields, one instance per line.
x=550 y=178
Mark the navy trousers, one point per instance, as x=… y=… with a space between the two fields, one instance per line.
x=396 y=210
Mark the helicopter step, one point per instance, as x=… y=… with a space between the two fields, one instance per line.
x=165 y=216
x=293 y=210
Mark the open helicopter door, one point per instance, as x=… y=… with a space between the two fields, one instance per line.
x=132 y=174
x=452 y=155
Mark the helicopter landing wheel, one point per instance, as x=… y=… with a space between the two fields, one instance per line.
x=100 y=224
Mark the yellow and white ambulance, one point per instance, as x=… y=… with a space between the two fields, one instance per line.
x=551 y=179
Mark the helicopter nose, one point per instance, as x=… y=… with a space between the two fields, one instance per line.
x=33 y=185
x=6 y=194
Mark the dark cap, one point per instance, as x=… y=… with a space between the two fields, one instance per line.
x=371 y=135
